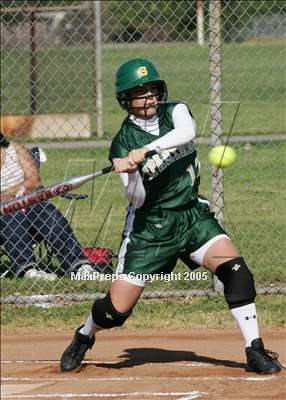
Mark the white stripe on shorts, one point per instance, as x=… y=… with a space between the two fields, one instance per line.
x=198 y=255
x=134 y=280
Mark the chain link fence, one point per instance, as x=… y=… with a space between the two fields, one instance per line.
x=226 y=59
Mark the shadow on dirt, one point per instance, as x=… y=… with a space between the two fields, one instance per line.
x=141 y=356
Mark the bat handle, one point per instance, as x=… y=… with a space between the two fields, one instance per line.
x=108 y=169
x=151 y=153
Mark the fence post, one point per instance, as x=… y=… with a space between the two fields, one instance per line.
x=200 y=22
x=215 y=68
x=33 y=63
x=98 y=70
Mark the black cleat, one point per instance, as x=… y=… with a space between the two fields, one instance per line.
x=75 y=352
x=261 y=360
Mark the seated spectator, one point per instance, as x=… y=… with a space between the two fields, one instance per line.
x=20 y=175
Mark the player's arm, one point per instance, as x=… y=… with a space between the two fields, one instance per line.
x=118 y=155
x=134 y=188
x=128 y=172
x=31 y=179
x=184 y=131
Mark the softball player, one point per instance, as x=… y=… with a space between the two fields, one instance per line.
x=167 y=220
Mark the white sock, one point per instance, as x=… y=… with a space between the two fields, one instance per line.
x=246 y=318
x=89 y=327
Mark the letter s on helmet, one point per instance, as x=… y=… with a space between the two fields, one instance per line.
x=135 y=73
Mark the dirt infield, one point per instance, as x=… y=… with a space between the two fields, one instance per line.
x=152 y=365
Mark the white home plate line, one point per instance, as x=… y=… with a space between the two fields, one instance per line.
x=145 y=378
x=193 y=395
x=190 y=395
x=92 y=362
x=188 y=364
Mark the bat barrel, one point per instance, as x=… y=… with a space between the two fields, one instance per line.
x=49 y=192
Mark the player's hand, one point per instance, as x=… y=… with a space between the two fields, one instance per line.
x=137 y=156
x=124 y=165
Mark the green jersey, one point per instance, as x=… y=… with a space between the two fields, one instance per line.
x=171 y=179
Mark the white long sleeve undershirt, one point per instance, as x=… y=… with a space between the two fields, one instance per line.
x=184 y=129
x=134 y=188
x=183 y=132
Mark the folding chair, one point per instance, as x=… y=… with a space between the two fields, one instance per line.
x=44 y=250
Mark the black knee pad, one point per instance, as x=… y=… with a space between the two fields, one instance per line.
x=105 y=315
x=238 y=282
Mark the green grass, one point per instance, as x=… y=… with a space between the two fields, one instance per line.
x=189 y=313
x=253 y=76
x=254 y=213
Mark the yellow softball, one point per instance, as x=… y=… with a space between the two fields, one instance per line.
x=222 y=156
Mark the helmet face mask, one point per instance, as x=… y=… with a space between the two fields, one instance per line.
x=142 y=92
x=135 y=77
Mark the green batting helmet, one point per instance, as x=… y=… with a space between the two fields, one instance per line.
x=135 y=73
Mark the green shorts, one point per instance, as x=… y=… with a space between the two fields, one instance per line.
x=158 y=239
